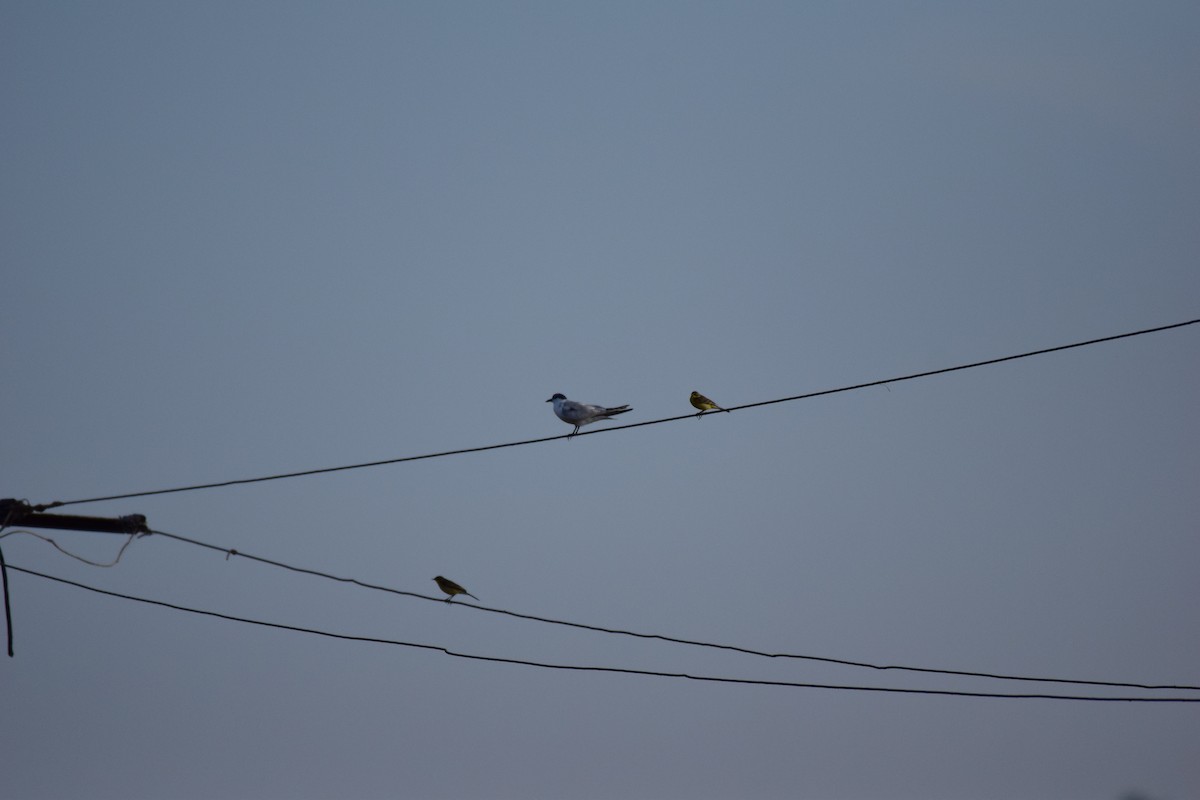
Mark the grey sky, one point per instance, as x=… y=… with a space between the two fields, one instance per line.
x=247 y=238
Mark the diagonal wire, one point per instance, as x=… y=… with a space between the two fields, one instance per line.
x=444 y=453
x=616 y=631
x=619 y=670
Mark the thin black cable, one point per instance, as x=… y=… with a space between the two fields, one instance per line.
x=323 y=470
x=616 y=631
x=67 y=552
x=4 y=578
x=622 y=670
x=7 y=610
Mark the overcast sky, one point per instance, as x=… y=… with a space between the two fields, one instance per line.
x=248 y=238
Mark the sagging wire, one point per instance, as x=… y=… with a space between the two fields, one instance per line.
x=75 y=556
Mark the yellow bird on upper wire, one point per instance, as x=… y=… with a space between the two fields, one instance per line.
x=704 y=404
x=451 y=588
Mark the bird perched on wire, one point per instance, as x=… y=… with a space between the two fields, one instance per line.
x=451 y=588
x=580 y=414
x=704 y=404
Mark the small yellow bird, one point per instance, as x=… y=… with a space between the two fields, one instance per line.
x=704 y=404
x=451 y=588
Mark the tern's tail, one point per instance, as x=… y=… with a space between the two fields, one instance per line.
x=612 y=412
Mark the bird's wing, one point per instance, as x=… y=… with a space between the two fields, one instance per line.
x=574 y=411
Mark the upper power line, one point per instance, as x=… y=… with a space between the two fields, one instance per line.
x=462 y=451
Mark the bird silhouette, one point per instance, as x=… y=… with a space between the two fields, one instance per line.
x=704 y=404
x=451 y=588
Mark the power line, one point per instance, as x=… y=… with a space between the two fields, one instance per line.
x=616 y=631
x=9 y=513
x=444 y=453
x=67 y=552
x=7 y=607
x=621 y=670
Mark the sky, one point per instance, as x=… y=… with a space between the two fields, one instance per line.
x=244 y=239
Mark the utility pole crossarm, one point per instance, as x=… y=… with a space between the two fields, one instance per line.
x=18 y=513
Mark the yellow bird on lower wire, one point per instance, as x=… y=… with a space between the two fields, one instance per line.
x=704 y=404
x=451 y=588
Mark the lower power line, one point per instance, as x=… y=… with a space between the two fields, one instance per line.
x=621 y=670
